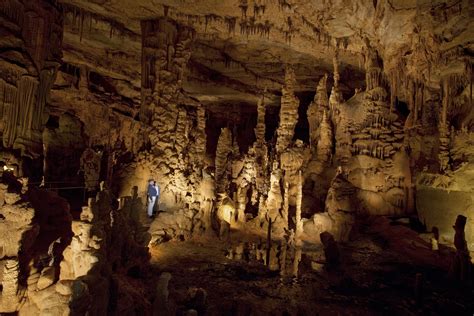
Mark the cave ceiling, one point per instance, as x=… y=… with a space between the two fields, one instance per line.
x=241 y=47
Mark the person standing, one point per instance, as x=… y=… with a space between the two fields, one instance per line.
x=152 y=196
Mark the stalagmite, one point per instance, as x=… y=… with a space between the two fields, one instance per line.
x=9 y=298
x=325 y=142
x=260 y=128
x=274 y=198
x=200 y=137
x=316 y=108
x=284 y=210
x=336 y=96
x=288 y=112
x=224 y=148
x=141 y=91
x=296 y=261
x=299 y=199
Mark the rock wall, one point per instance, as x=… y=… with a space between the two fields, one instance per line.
x=32 y=33
x=52 y=264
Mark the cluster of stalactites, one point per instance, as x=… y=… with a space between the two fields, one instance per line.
x=166 y=49
x=373 y=70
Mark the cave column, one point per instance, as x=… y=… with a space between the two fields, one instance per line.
x=166 y=50
x=288 y=112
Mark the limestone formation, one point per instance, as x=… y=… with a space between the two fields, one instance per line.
x=223 y=162
x=27 y=79
x=288 y=112
x=97 y=99
x=316 y=109
x=325 y=145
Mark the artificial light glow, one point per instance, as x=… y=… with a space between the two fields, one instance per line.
x=6 y=168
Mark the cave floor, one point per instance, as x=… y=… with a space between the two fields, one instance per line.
x=373 y=279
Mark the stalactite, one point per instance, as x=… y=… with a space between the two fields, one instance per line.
x=284 y=5
x=230 y=22
x=393 y=89
x=19 y=117
x=243 y=8
x=209 y=18
x=258 y=9
x=46 y=81
x=81 y=24
x=26 y=98
x=9 y=112
x=14 y=10
x=372 y=67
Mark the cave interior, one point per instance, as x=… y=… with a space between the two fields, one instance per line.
x=236 y=157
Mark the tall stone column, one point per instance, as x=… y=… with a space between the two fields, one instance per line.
x=223 y=151
x=166 y=49
x=288 y=112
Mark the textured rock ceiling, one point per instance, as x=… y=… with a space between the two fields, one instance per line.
x=242 y=45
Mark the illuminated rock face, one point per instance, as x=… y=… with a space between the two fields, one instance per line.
x=215 y=103
x=26 y=80
x=51 y=264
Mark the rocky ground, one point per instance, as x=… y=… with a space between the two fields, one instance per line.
x=377 y=276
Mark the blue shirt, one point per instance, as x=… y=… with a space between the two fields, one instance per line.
x=153 y=191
